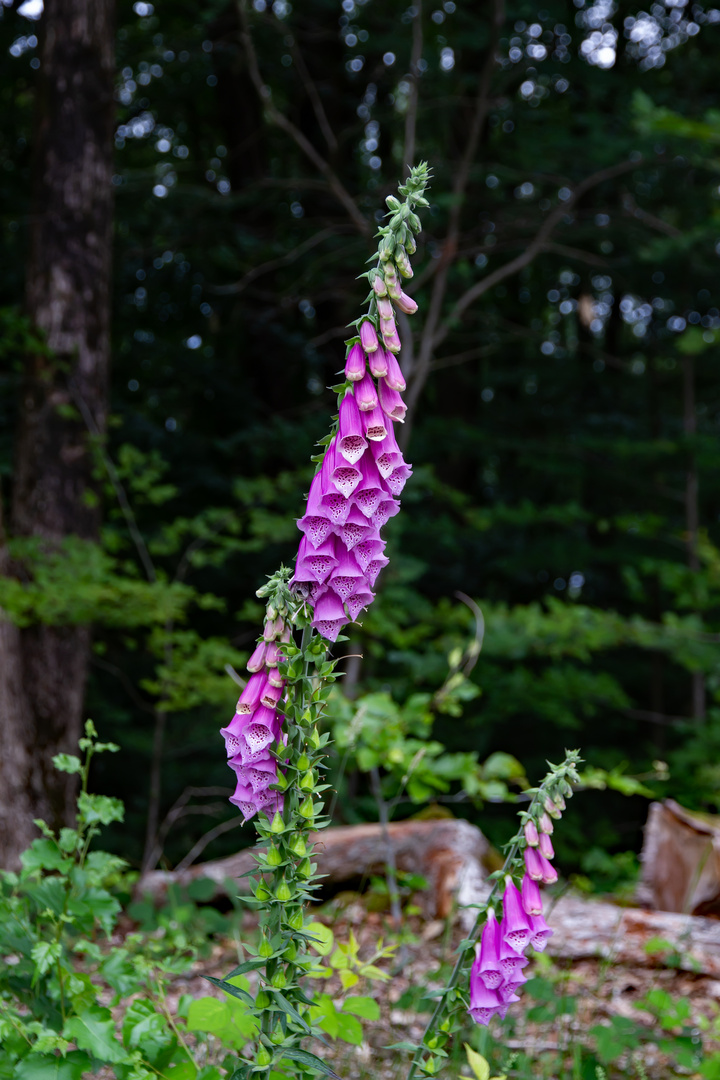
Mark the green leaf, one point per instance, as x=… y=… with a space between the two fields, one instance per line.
x=44 y=854
x=67 y=763
x=99 y=809
x=45 y=954
x=324 y=939
x=93 y=1030
x=248 y=965
x=288 y=1008
x=49 y=1067
x=477 y=1063
x=312 y=1061
x=349 y=1029
x=184 y=1070
x=228 y=988
x=207 y=1014
x=366 y=1007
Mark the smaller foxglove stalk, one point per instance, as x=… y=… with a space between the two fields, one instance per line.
x=362 y=471
x=499 y=945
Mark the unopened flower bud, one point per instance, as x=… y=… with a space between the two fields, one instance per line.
x=283 y=892
x=378 y=285
x=273 y=858
x=385 y=309
x=531 y=833
x=298 y=846
x=307 y=782
x=402 y=262
x=405 y=303
x=355 y=363
x=545 y=846
x=546 y=825
x=552 y=809
x=377 y=362
x=368 y=336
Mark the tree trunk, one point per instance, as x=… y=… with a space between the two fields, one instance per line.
x=43 y=668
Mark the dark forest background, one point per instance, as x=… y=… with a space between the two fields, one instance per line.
x=563 y=396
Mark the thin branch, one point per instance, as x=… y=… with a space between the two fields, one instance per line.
x=280 y=120
x=631 y=207
x=412 y=109
x=207 y=838
x=272 y=264
x=311 y=89
x=462 y=175
x=126 y=682
x=534 y=248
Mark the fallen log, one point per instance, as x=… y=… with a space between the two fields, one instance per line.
x=452 y=855
x=447 y=852
x=632 y=936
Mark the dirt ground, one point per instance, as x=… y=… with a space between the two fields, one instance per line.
x=602 y=991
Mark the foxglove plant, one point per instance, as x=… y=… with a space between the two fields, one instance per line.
x=273 y=742
x=495 y=949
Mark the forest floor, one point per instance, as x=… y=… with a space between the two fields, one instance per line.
x=544 y=1036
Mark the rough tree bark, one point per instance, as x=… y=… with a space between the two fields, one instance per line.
x=43 y=668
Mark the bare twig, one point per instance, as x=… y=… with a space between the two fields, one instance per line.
x=482 y=101
x=434 y=334
x=207 y=838
x=272 y=264
x=412 y=109
x=311 y=89
x=126 y=682
x=278 y=118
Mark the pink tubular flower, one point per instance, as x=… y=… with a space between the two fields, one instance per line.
x=533 y=866
x=540 y=933
x=366 y=394
x=355 y=363
x=257 y=660
x=394 y=377
x=545 y=846
x=391 y=341
x=390 y=402
x=531 y=899
x=487 y=953
x=329 y=615
x=531 y=833
x=484 y=1003
x=515 y=928
x=406 y=303
x=375 y=425
x=351 y=442
x=368 y=336
x=377 y=362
